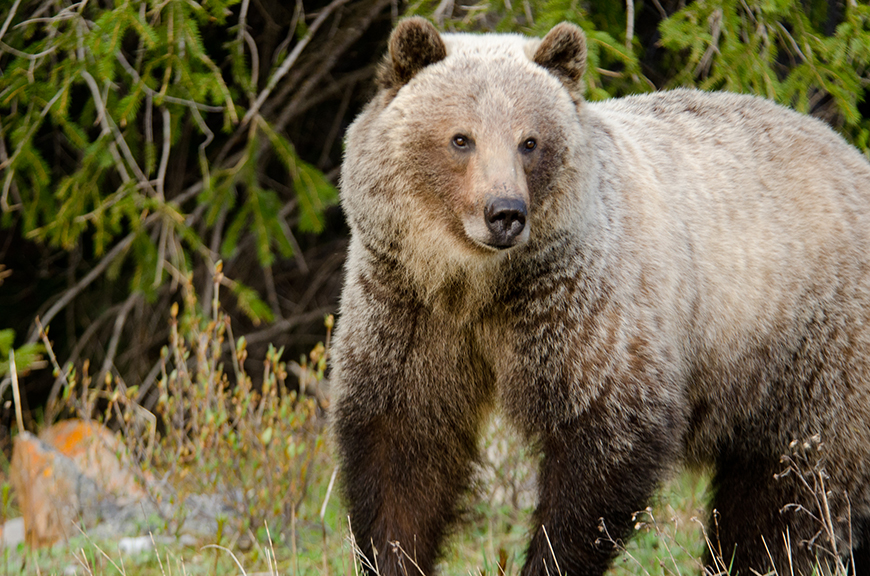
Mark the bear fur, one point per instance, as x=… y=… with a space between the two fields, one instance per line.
x=678 y=278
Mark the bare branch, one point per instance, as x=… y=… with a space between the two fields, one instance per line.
x=68 y=296
x=120 y=320
x=324 y=68
x=271 y=293
x=26 y=55
x=51 y=404
x=291 y=59
x=164 y=157
x=9 y=18
x=282 y=326
x=109 y=125
x=166 y=98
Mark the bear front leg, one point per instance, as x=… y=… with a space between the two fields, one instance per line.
x=402 y=487
x=408 y=401
x=593 y=478
x=606 y=408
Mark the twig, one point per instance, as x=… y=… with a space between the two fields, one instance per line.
x=255 y=60
x=67 y=297
x=164 y=156
x=323 y=68
x=214 y=246
x=271 y=293
x=9 y=18
x=283 y=325
x=15 y=391
x=33 y=129
x=291 y=59
x=109 y=126
x=787 y=36
x=148 y=382
x=292 y=29
x=120 y=320
x=26 y=55
x=444 y=9
x=629 y=23
x=323 y=274
x=61 y=375
x=166 y=98
x=119 y=248
x=336 y=126
x=209 y=136
x=662 y=12
x=243 y=15
x=715 y=22
x=297 y=250
x=161 y=255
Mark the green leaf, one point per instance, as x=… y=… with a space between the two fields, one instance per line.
x=251 y=304
x=7 y=337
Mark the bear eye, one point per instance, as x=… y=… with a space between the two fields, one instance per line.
x=530 y=144
x=461 y=141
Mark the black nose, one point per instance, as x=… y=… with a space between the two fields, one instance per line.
x=505 y=218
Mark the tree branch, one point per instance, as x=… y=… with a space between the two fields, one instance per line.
x=291 y=59
x=120 y=320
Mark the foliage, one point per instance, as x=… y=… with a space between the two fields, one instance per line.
x=135 y=145
x=142 y=141
x=267 y=435
x=813 y=56
x=205 y=425
x=779 y=49
x=26 y=356
x=116 y=89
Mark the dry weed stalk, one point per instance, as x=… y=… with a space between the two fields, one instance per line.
x=806 y=463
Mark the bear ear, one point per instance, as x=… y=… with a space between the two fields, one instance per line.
x=414 y=44
x=563 y=53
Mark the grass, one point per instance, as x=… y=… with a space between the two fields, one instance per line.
x=491 y=542
x=286 y=516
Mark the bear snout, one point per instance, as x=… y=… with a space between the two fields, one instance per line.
x=506 y=220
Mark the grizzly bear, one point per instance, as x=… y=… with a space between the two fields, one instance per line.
x=677 y=278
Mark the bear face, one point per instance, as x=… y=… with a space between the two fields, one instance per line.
x=476 y=136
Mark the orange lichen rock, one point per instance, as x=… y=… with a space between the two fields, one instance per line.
x=75 y=473
x=99 y=454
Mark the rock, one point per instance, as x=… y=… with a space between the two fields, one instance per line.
x=99 y=454
x=78 y=475
x=12 y=533
x=75 y=474
x=135 y=544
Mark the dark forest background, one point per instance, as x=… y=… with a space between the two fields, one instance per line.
x=145 y=144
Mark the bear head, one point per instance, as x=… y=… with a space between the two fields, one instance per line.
x=457 y=161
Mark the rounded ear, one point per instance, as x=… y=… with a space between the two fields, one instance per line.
x=563 y=53
x=414 y=44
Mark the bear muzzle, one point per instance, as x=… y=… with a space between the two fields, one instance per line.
x=506 y=221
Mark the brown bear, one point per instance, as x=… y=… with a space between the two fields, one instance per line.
x=678 y=278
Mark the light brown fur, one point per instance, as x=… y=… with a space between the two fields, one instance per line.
x=692 y=284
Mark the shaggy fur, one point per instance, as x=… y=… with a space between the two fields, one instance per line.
x=691 y=286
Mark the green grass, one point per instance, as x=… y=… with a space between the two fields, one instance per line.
x=213 y=420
